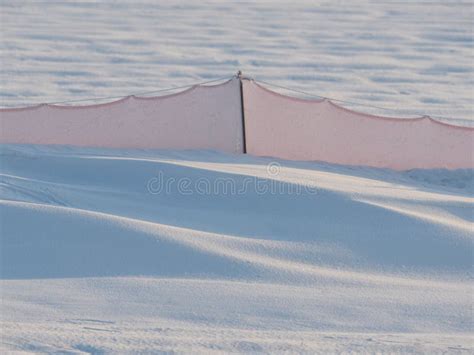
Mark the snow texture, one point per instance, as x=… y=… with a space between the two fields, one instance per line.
x=97 y=258
x=138 y=250
x=413 y=57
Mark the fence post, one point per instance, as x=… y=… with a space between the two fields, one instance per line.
x=239 y=76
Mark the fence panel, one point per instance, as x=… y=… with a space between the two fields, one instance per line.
x=297 y=129
x=202 y=117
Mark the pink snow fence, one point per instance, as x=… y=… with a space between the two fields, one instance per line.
x=202 y=117
x=297 y=129
x=210 y=117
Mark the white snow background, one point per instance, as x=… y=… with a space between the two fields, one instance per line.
x=334 y=259
x=411 y=56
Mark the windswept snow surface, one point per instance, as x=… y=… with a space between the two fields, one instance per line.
x=139 y=251
x=415 y=57
x=135 y=250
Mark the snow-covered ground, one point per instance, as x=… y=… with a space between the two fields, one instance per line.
x=412 y=56
x=139 y=251
x=135 y=250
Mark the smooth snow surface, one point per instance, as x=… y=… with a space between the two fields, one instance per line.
x=233 y=253
x=413 y=56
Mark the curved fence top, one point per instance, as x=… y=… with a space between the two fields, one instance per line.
x=118 y=99
x=333 y=102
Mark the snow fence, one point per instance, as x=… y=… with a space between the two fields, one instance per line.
x=298 y=129
x=210 y=117
x=201 y=117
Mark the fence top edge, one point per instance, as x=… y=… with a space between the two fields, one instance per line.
x=139 y=96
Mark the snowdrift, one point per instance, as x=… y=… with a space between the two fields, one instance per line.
x=91 y=249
